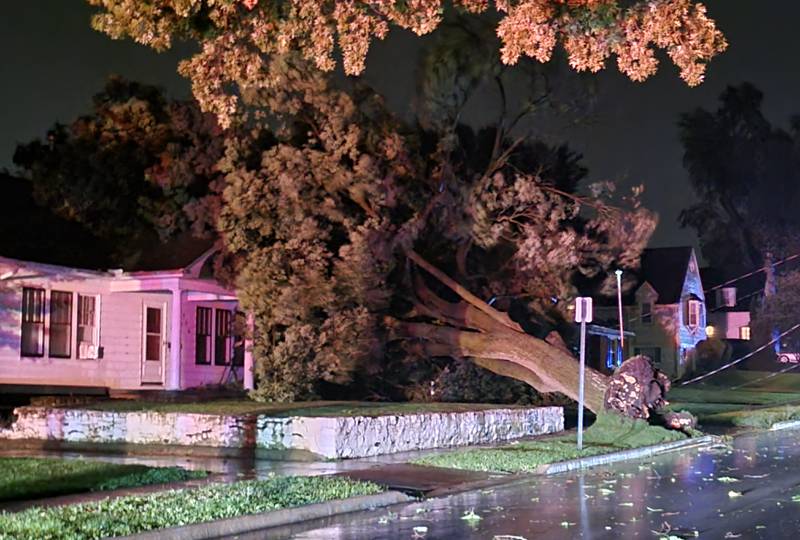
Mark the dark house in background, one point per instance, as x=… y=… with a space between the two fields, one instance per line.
x=665 y=310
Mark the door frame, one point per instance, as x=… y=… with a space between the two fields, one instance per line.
x=162 y=305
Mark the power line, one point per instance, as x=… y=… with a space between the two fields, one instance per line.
x=791 y=367
x=754 y=272
x=745 y=357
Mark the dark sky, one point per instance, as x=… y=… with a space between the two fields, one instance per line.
x=54 y=62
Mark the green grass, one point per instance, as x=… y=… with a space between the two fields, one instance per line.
x=311 y=408
x=135 y=514
x=763 y=401
x=784 y=382
x=762 y=418
x=609 y=433
x=34 y=478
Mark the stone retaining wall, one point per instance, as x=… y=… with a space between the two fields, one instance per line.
x=329 y=437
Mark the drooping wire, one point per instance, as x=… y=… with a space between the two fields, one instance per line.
x=742 y=358
x=776 y=373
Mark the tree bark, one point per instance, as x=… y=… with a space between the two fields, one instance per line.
x=516 y=354
x=473 y=329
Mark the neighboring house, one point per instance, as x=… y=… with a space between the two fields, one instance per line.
x=666 y=310
x=729 y=305
x=139 y=330
x=604 y=352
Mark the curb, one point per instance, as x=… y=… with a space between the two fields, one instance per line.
x=505 y=479
x=625 y=455
x=787 y=424
x=254 y=522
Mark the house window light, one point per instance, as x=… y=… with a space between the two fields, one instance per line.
x=744 y=332
x=693 y=313
x=710 y=331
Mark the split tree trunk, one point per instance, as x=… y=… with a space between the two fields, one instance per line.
x=475 y=330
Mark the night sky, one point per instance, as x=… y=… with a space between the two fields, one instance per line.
x=54 y=62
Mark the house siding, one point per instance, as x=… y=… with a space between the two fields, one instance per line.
x=688 y=337
x=120 y=331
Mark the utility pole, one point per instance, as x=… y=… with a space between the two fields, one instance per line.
x=583 y=315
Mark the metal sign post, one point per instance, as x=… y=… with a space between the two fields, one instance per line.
x=583 y=315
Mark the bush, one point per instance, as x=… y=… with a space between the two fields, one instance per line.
x=134 y=514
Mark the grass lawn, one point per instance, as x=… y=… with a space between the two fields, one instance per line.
x=761 y=417
x=310 y=408
x=762 y=402
x=34 y=478
x=609 y=433
x=135 y=514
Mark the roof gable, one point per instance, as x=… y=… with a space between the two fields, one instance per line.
x=665 y=270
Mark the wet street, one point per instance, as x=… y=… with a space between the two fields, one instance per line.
x=749 y=491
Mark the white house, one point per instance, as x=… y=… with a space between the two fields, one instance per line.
x=154 y=330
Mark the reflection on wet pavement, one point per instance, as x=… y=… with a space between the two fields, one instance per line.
x=749 y=491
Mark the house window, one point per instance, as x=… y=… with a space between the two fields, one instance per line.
x=647 y=313
x=222 y=337
x=694 y=313
x=202 y=353
x=32 y=322
x=726 y=297
x=60 y=324
x=744 y=332
x=88 y=338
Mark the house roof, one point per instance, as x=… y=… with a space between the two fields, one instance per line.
x=665 y=270
x=175 y=254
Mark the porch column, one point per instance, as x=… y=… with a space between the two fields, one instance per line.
x=249 y=383
x=174 y=373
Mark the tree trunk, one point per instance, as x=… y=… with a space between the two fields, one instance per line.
x=475 y=330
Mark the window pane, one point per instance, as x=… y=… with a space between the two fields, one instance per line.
x=32 y=342
x=153 y=347
x=203 y=336
x=222 y=342
x=60 y=323
x=32 y=332
x=153 y=320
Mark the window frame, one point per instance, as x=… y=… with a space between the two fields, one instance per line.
x=95 y=327
x=40 y=323
x=694 y=307
x=203 y=323
x=54 y=293
x=223 y=336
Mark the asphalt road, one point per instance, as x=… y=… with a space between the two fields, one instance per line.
x=742 y=492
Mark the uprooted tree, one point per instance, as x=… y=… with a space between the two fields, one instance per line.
x=357 y=240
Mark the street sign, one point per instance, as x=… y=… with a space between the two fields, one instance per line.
x=583 y=315
x=583 y=309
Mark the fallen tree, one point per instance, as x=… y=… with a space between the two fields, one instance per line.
x=364 y=244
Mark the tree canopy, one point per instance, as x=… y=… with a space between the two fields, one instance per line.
x=132 y=171
x=746 y=174
x=364 y=244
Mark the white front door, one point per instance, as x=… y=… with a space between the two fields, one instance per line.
x=154 y=342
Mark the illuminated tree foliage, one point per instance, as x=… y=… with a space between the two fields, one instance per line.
x=362 y=244
x=238 y=36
